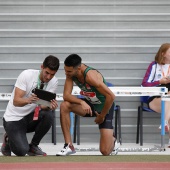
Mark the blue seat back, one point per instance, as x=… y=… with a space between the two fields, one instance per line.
x=144 y=99
x=109 y=84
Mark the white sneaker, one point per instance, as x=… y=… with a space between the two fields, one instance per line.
x=116 y=148
x=67 y=150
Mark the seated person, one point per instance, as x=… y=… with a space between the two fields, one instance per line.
x=158 y=74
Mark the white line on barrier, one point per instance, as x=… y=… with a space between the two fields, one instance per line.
x=156 y=148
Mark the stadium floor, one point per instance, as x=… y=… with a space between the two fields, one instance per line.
x=125 y=149
x=93 y=149
x=130 y=157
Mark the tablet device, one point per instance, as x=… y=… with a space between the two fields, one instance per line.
x=44 y=96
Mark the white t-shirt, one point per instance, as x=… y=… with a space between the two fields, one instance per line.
x=26 y=81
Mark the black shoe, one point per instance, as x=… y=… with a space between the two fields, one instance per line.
x=5 y=148
x=36 y=151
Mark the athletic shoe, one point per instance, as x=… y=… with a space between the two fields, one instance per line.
x=5 y=148
x=35 y=151
x=67 y=150
x=166 y=126
x=116 y=148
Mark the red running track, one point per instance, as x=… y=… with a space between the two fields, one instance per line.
x=86 y=166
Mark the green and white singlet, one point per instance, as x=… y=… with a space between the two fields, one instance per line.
x=90 y=92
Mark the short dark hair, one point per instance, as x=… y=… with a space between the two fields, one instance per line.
x=51 y=62
x=73 y=60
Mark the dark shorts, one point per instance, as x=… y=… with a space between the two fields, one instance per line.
x=151 y=98
x=107 y=124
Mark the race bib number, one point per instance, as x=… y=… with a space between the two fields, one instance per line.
x=91 y=97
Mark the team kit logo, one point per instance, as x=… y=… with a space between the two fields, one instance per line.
x=90 y=96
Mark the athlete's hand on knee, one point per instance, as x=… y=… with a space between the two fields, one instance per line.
x=99 y=118
x=88 y=111
x=86 y=108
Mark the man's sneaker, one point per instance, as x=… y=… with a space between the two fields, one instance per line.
x=166 y=126
x=5 y=148
x=35 y=151
x=67 y=150
x=116 y=148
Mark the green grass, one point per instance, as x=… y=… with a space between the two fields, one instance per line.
x=118 y=158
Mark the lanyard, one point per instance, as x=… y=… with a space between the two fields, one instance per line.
x=39 y=83
x=38 y=108
x=168 y=73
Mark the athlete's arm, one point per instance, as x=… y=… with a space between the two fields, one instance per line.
x=67 y=96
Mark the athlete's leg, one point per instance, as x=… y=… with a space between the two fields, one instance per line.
x=106 y=141
x=65 y=109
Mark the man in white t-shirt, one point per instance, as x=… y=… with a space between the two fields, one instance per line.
x=23 y=115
